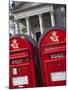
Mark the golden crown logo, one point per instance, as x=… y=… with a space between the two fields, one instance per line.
x=54 y=36
x=14 y=44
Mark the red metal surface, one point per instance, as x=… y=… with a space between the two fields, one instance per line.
x=22 y=58
x=52 y=52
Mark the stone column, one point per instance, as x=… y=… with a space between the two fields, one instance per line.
x=52 y=18
x=28 y=25
x=41 y=23
x=16 y=27
x=12 y=27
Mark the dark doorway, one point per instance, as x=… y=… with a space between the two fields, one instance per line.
x=38 y=34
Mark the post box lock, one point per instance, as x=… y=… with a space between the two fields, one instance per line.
x=14 y=71
x=59 y=64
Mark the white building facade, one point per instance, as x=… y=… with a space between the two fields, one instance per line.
x=33 y=18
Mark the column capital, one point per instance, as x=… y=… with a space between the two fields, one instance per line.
x=52 y=11
x=40 y=14
x=26 y=18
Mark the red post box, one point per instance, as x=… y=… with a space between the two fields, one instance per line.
x=22 y=63
x=52 y=52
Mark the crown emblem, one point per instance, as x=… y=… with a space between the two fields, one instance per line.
x=54 y=33
x=54 y=36
x=14 y=44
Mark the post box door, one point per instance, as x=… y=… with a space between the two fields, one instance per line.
x=20 y=76
x=55 y=72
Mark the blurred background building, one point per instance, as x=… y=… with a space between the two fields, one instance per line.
x=34 y=18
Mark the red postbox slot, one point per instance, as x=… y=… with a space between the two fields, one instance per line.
x=54 y=48
x=19 y=54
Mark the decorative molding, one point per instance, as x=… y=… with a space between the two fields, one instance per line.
x=33 y=11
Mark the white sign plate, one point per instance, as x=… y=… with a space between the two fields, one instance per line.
x=58 y=76
x=20 y=80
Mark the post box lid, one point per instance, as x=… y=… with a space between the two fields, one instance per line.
x=20 y=41
x=55 y=35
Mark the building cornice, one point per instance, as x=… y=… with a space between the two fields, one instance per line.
x=34 y=11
